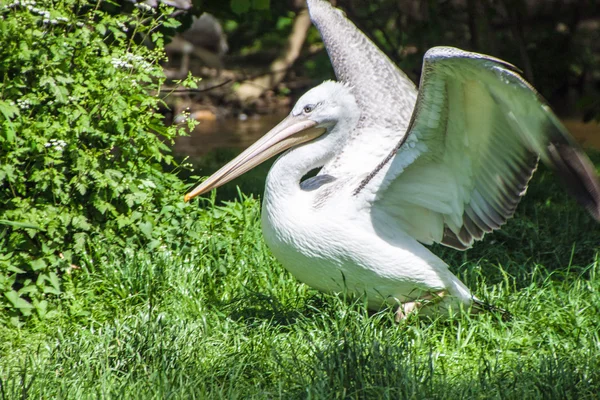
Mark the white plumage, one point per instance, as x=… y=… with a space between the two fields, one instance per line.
x=451 y=171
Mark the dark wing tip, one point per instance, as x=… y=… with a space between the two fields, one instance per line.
x=453 y=240
x=481 y=306
x=476 y=223
x=576 y=172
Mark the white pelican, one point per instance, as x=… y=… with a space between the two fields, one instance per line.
x=400 y=169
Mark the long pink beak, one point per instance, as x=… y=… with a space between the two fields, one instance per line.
x=293 y=130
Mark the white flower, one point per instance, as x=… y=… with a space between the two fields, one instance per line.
x=24 y=104
x=129 y=61
x=144 y=7
x=57 y=144
x=122 y=26
x=118 y=63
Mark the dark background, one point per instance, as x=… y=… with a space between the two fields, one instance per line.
x=555 y=43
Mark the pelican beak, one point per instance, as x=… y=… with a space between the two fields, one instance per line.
x=293 y=130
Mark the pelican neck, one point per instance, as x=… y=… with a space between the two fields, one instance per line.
x=286 y=173
x=283 y=180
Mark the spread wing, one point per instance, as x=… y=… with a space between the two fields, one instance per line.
x=471 y=148
x=385 y=95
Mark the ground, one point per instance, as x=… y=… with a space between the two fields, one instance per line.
x=227 y=321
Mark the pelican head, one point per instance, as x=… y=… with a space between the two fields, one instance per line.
x=315 y=115
x=326 y=104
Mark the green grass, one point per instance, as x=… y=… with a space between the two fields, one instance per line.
x=227 y=321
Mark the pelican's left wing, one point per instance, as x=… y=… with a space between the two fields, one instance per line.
x=472 y=146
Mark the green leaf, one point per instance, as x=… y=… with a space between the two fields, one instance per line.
x=8 y=110
x=54 y=281
x=41 y=307
x=19 y=224
x=28 y=290
x=153 y=244
x=171 y=23
x=80 y=239
x=60 y=92
x=149 y=184
x=16 y=322
x=80 y=222
x=146 y=228
x=38 y=264
x=17 y=301
x=15 y=269
x=120 y=127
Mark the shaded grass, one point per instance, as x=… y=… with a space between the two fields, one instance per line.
x=227 y=321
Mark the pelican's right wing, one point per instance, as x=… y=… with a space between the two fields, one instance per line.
x=384 y=94
x=472 y=146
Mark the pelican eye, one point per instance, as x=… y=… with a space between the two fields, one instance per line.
x=309 y=108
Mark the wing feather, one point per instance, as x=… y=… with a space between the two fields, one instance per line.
x=385 y=95
x=480 y=129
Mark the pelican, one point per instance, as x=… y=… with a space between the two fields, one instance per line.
x=401 y=169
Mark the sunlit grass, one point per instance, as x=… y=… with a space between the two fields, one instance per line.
x=227 y=321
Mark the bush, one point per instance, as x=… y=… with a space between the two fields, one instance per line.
x=82 y=145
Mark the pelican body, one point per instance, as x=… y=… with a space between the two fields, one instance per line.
x=401 y=168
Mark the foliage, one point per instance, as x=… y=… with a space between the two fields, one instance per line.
x=554 y=44
x=225 y=320
x=82 y=146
